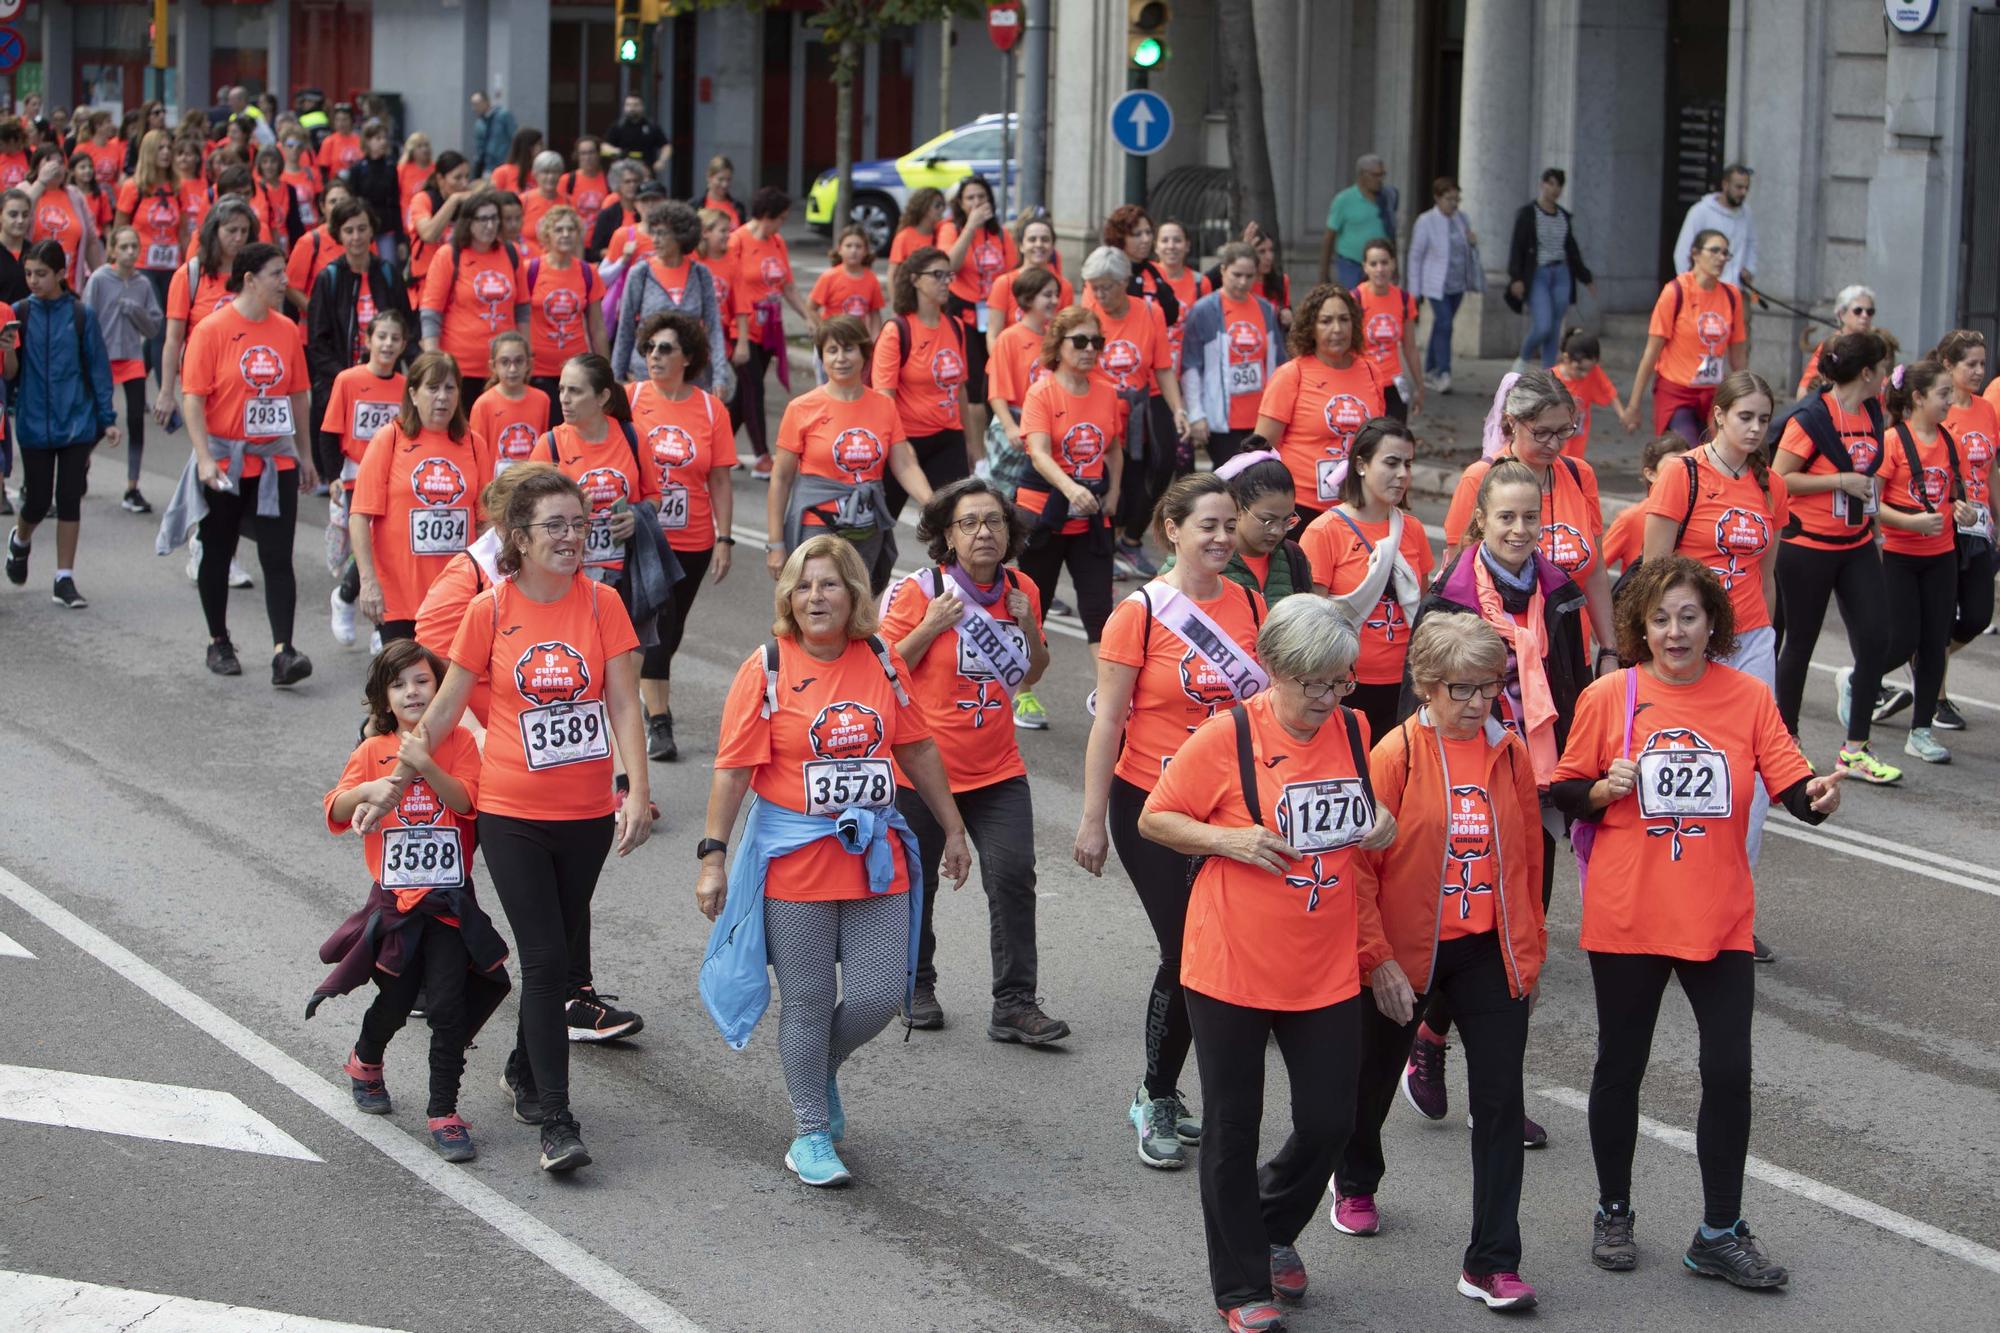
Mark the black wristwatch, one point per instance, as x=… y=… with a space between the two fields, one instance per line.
x=726 y=540
x=707 y=845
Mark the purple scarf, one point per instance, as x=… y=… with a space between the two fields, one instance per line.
x=972 y=591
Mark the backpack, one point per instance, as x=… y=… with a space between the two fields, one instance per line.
x=875 y=645
x=1246 y=772
x=513 y=258
x=1680 y=299
x=902 y=323
x=535 y=272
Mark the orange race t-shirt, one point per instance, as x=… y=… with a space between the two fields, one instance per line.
x=991 y=253
x=1976 y=429
x=607 y=470
x=722 y=269
x=1320 y=410
x=682 y=444
x=312 y=254
x=963 y=703
x=510 y=426
x=411 y=177
x=548 y=737
x=909 y=240
x=1902 y=491
x=1572 y=518
x=1818 y=513
x=108 y=159
x=925 y=384
x=439 y=614
x=1471 y=874
x=1188 y=288
x=338 y=152
x=57 y=219
x=360 y=404
x=305 y=188
x=1083 y=429
x=1015 y=366
x=1700 y=336
x=827 y=747
x=247 y=370
x=1733 y=527
x=479 y=304
x=210 y=295
x=1625 y=536
x=421 y=844
x=1670 y=873
x=558 y=313
x=418 y=211
x=838 y=292
x=1337 y=546
x=1136 y=351
x=196 y=201
x=1003 y=313
x=847 y=442
x=1384 y=316
x=423 y=494
x=13 y=169
x=1249 y=341
x=534 y=207
x=157 y=218
x=1592 y=390
x=763 y=268
x=586 y=195
x=1177 y=690
x=1253 y=938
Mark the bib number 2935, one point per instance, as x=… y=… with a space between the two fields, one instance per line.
x=557 y=734
x=267 y=417
x=832 y=785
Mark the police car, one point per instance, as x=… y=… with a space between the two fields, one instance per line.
x=883 y=186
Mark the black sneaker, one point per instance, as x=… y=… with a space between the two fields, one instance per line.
x=1611 y=1243
x=1947 y=718
x=1735 y=1256
x=6 y=505
x=1027 y=1024
x=1892 y=700
x=1761 y=952
x=222 y=658
x=65 y=594
x=521 y=1095
x=289 y=666
x=562 y=1144
x=925 y=1011
x=135 y=503
x=17 y=562
x=660 y=738
x=592 y=1017
x=1058 y=607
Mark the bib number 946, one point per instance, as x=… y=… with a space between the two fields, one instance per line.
x=558 y=734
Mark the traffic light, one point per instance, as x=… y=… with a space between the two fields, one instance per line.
x=1145 y=32
x=631 y=40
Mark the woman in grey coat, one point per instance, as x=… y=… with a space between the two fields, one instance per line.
x=671 y=279
x=128 y=311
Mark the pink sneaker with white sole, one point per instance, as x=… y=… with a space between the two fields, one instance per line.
x=1355 y=1215
x=1500 y=1291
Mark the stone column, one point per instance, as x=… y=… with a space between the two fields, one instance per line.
x=1496 y=172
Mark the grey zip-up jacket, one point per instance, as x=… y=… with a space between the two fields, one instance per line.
x=127 y=310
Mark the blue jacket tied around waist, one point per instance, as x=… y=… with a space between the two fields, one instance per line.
x=735 y=982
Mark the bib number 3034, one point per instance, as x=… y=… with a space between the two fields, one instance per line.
x=832 y=785
x=1326 y=816
x=557 y=734
x=267 y=417
x=422 y=858
x=599 y=546
x=1681 y=783
x=439 y=531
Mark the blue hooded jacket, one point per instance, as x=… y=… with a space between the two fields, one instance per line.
x=62 y=392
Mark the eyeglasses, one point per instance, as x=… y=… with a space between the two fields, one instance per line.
x=486 y=220
x=1319 y=689
x=1281 y=523
x=661 y=347
x=976 y=523
x=1721 y=250
x=1092 y=342
x=559 y=528
x=1485 y=689
x=1546 y=436
x=936 y=274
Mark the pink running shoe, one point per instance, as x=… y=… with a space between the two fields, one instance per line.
x=1355 y=1215
x=1423 y=1076
x=1259 y=1317
x=1500 y=1291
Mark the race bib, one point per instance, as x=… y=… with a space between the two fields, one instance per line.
x=599 y=547
x=1709 y=372
x=571 y=733
x=673 y=507
x=371 y=417
x=1980 y=527
x=832 y=785
x=1327 y=480
x=267 y=417
x=422 y=858
x=163 y=254
x=1680 y=783
x=1325 y=816
x=1245 y=377
x=439 y=531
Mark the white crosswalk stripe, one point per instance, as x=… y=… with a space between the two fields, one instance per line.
x=141 y=1110
x=10 y=949
x=37 y=1304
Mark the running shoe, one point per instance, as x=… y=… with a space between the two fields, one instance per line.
x=761 y=469
x=1121 y=568
x=1288 y=1273
x=1761 y=952
x=592 y=1017
x=1187 y=1125
x=1532 y=1133
x=1423 y=1075
x=660 y=738
x=65 y=594
x=452 y=1138
x=289 y=666
x=1027 y=1024
x=222 y=657
x=924 y=1011
x=1058 y=607
x=812 y=1159
x=1500 y=1291
x=521 y=1096
x=1153 y=1119
x=1611 y=1245
x=1843 y=693
x=371 y=1095
x=1354 y=1214
x=135 y=503
x=342 y=619
x=1947 y=718
x=1735 y=1256
x=1029 y=715
x=1256 y=1317
x=1859 y=762
x=17 y=562
x=1134 y=555
x=1441 y=382
x=562 y=1143
x=1892 y=700
x=1922 y=745
x=239 y=577
x=836 y=1114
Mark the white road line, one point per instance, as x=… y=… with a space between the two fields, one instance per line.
x=1839 y=1200
x=1833 y=829
x=10 y=949
x=1900 y=859
x=58 y=1305
x=1833 y=667
x=565 y=1256
x=201 y=1116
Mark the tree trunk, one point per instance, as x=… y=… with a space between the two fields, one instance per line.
x=944 y=74
x=1249 y=151
x=847 y=60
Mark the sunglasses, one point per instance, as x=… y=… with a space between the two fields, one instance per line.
x=1867 y=310
x=661 y=347
x=1090 y=342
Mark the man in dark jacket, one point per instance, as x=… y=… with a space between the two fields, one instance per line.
x=332 y=326
x=636 y=136
x=1544 y=269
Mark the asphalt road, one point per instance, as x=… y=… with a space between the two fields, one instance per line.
x=175 y=815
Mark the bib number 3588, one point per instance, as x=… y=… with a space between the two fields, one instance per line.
x=832 y=785
x=422 y=858
x=1326 y=816
x=557 y=734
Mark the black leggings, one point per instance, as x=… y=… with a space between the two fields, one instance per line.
x=1437 y=1014
x=1380 y=704
x=228 y=511
x=545 y=871
x=1393 y=404
x=1161 y=877
x=748 y=409
x=457 y=1003
x=1807 y=578
x=1975 y=599
x=1723 y=993
x=1223 y=445
x=135 y=429
x=658 y=662
x=943 y=459
x=1146 y=478
x=1246 y=1209
x=54 y=478
x=1922 y=602
x=1087 y=555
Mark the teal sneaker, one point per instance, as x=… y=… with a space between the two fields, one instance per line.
x=812 y=1159
x=1187 y=1125
x=1153 y=1119
x=1029 y=715
x=1922 y=745
x=836 y=1117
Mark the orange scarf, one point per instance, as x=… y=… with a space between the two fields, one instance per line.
x=1529 y=639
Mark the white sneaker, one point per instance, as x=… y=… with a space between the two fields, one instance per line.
x=238 y=578
x=343 y=619
x=1441 y=382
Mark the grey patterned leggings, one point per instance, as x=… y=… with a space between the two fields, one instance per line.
x=870 y=939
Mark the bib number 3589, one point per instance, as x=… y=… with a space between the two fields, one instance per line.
x=557 y=734
x=1326 y=816
x=422 y=858
x=832 y=785
x=1681 y=783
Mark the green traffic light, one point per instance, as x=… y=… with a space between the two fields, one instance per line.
x=1148 y=53
x=628 y=51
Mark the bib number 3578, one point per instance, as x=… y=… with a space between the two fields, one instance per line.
x=1680 y=783
x=557 y=734
x=832 y=785
x=1326 y=816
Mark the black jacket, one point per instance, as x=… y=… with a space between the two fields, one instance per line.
x=642 y=140
x=330 y=315
x=373 y=179
x=1521 y=253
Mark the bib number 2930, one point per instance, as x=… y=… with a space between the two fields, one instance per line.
x=832 y=785
x=557 y=734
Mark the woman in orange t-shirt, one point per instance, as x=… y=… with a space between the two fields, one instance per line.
x=1073 y=424
x=1036 y=237
x=1389 y=330
x=1321 y=397
x=565 y=313
x=1138 y=358
x=541 y=192
x=416 y=499
x=1975 y=428
x=414 y=166
x=1624 y=541
x=149 y=202
x=815 y=726
x=1697 y=335
x=850 y=286
x=63 y=214
x=1171 y=248
x=563 y=662
x=596 y=447
x=1662 y=756
x=760 y=286
x=1155 y=685
x=917 y=228
x=928 y=378
x=433 y=211
x=977 y=250
x=1271 y=938
x=476 y=288
x=1013 y=368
